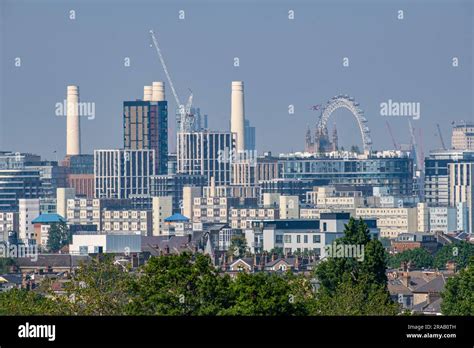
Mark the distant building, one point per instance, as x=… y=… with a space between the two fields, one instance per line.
x=389 y=169
x=463 y=136
x=461 y=188
x=17 y=180
x=410 y=241
x=162 y=209
x=298 y=235
x=172 y=185
x=123 y=173
x=267 y=168
x=42 y=224
x=437 y=178
x=29 y=209
x=89 y=243
x=391 y=221
x=8 y=223
x=109 y=215
x=207 y=153
x=81 y=174
x=145 y=125
x=250 y=136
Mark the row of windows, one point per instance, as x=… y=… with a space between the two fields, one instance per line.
x=288 y=238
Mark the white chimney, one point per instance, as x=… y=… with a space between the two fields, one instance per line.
x=158 y=89
x=237 y=116
x=147 y=93
x=73 y=130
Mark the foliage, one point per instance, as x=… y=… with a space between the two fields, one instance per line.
x=5 y=264
x=97 y=288
x=278 y=251
x=458 y=295
x=371 y=269
x=178 y=285
x=351 y=298
x=459 y=252
x=268 y=294
x=349 y=286
x=58 y=237
x=23 y=302
x=238 y=246
x=419 y=257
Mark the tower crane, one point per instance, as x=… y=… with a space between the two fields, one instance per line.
x=185 y=117
x=441 y=136
x=395 y=145
x=414 y=146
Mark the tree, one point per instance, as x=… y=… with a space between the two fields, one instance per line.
x=372 y=268
x=238 y=246
x=5 y=264
x=278 y=251
x=350 y=298
x=264 y=294
x=350 y=285
x=419 y=257
x=459 y=252
x=179 y=285
x=58 y=236
x=97 y=288
x=23 y=302
x=458 y=295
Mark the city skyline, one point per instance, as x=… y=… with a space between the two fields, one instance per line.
x=279 y=63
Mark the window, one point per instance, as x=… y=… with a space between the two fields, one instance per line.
x=287 y=238
x=305 y=238
x=298 y=239
x=279 y=239
x=316 y=238
x=325 y=226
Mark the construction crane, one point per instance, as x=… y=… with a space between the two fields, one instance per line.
x=440 y=136
x=185 y=118
x=396 y=146
x=414 y=146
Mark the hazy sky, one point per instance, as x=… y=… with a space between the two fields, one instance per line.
x=282 y=62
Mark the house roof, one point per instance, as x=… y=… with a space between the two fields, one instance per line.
x=48 y=219
x=425 y=307
x=177 y=218
x=435 y=285
x=246 y=260
x=11 y=278
x=52 y=260
x=289 y=261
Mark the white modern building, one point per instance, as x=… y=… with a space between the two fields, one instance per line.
x=29 y=209
x=300 y=235
x=83 y=244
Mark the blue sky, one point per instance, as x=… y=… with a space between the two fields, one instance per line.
x=282 y=62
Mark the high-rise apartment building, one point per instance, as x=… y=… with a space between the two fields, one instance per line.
x=207 y=153
x=145 y=125
x=123 y=173
x=461 y=189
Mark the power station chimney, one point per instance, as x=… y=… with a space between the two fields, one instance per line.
x=237 y=115
x=158 y=91
x=147 y=93
x=73 y=130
